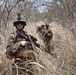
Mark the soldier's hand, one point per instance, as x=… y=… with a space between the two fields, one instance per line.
x=24 y=43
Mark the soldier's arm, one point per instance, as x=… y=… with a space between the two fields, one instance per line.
x=11 y=47
x=51 y=32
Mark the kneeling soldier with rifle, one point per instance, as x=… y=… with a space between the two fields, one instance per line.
x=20 y=46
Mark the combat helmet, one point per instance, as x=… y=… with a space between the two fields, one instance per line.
x=19 y=21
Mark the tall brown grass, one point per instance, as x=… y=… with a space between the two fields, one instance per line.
x=63 y=62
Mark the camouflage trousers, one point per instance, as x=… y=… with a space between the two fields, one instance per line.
x=48 y=46
x=23 y=67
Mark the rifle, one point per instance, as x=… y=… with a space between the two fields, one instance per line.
x=32 y=41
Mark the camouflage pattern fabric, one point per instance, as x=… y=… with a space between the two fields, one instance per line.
x=46 y=35
x=22 y=58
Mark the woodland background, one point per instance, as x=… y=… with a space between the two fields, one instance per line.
x=60 y=15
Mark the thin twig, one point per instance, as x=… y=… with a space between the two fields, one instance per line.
x=2 y=3
x=16 y=68
x=38 y=65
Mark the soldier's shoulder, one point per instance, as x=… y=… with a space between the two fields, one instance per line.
x=12 y=35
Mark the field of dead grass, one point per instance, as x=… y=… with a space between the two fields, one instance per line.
x=62 y=63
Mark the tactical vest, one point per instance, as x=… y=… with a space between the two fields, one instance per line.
x=18 y=38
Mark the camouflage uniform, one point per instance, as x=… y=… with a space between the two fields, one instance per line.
x=47 y=39
x=12 y=51
x=46 y=35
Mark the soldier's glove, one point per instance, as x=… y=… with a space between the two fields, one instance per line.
x=24 y=43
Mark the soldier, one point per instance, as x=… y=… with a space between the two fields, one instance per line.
x=46 y=35
x=20 y=48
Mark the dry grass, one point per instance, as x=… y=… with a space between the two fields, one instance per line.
x=64 y=60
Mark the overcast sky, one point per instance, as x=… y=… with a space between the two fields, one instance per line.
x=41 y=5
